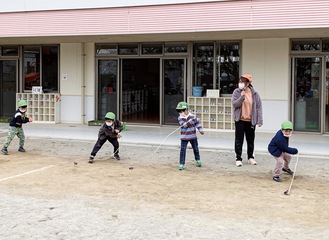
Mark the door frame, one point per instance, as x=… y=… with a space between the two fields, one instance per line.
x=16 y=80
x=97 y=82
x=322 y=91
x=162 y=95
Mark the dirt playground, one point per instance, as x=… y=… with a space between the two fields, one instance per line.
x=44 y=195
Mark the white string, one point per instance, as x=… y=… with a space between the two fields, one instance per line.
x=166 y=139
x=293 y=175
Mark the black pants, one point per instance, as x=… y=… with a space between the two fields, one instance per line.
x=244 y=128
x=100 y=143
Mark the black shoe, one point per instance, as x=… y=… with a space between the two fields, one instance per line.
x=116 y=156
x=21 y=149
x=4 y=151
x=277 y=179
x=288 y=170
x=91 y=159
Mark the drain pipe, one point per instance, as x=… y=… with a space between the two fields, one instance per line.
x=83 y=83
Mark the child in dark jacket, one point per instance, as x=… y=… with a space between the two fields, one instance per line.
x=280 y=150
x=15 y=127
x=108 y=132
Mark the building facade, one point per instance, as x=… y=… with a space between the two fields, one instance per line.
x=140 y=59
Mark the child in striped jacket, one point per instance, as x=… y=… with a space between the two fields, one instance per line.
x=189 y=123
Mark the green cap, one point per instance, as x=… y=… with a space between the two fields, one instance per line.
x=22 y=103
x=182 y=106
x=286 y=125
x=110 y=115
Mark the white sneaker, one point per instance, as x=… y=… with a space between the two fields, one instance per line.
x=238 y=163
x=252 y=161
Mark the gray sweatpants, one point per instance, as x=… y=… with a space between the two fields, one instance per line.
x=281 y=162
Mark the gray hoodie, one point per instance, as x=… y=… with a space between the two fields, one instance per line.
x=257 y=112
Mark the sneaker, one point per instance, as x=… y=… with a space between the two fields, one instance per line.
x=4 y=151
x=252 y=161
x=198 y=163
x=238 y=163
x=277 y=179
x=116 y=156
x=91 y=159
x=288 y=170
x=181 y=167
x=21 y=149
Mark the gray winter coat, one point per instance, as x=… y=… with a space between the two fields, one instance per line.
x=257 y=112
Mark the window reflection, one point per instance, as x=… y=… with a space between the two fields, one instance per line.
x=31 y=67
x=229 y=58
x=203 y=65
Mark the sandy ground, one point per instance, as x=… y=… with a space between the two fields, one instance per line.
x=43 y=195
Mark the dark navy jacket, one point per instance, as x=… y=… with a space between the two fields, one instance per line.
x=18 y=119
x=279 y=144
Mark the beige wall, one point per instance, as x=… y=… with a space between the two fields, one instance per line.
x=90 y=74
x=268 y=61
x=77 y=63
x=70 y=65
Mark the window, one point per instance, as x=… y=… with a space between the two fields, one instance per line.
x=50 y=68
x=37 y=60
x=31 y=67
x=152 y=49
x=171 y=48
x=228 y=66
x=11 y=51
x=129 y=49
x=305 y=45
x=110 y=49
x=203 y=65
x=220 y=71
x=325 y=45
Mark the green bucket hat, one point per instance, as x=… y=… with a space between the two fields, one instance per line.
x=110 y=115
x=22 y=103
x=286 y=125
x=182 y=106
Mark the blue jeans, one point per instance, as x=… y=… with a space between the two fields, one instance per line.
x=183 y=146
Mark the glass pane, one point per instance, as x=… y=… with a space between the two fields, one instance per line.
x=107 y=87
x=173 y=85
x=203 y=66
x=152 y=49
x=176 y=48
x=305 y=45
x=31 y=67
x=307 y=94
x=131 y=49
x=228 y=66
x=325 y=45
x=9 y=51
x=8 y=77
x=327 y=96
x=106 y=49
x=50 y=68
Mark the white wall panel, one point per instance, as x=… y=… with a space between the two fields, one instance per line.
x=274 y=113
x=70 y=109
x=268 y=61
x=71 y=66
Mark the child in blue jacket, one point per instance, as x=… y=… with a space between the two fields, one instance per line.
x=189 y=123
x=280 y=150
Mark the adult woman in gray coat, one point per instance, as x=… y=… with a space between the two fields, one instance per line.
x=247 y=114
